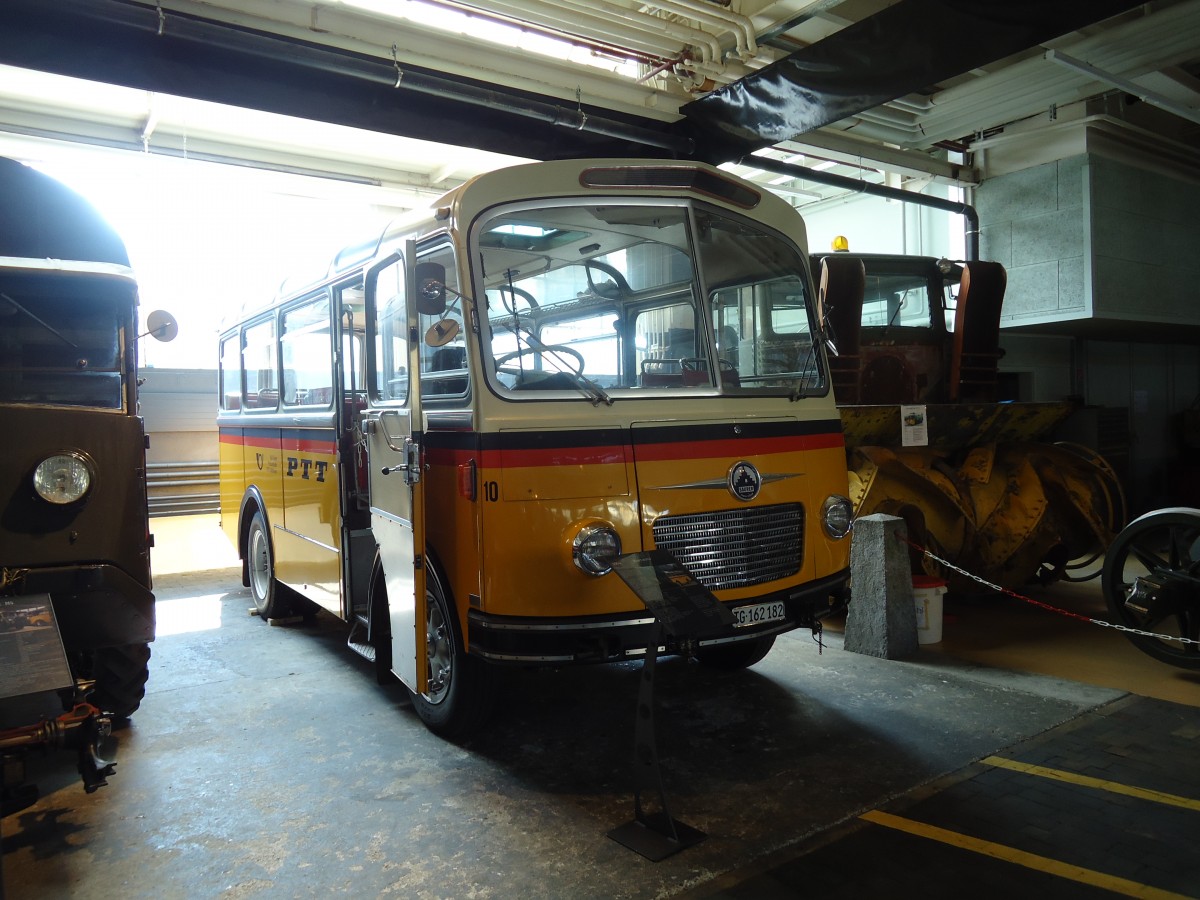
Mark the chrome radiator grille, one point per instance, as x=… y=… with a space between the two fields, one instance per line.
x=733 y=548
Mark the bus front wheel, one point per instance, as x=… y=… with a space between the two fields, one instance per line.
x=460 y=689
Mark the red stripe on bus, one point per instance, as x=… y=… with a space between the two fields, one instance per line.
x=738 y=448
x=309 y=446
x=660 y=452
x=303 y=446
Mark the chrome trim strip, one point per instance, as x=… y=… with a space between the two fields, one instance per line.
x=376 y=511
x=511 y=657
x=780 y=628
x=305 y=538
x=721 y=483
x=578 y=626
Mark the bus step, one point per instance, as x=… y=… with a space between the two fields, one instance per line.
x=357 y=639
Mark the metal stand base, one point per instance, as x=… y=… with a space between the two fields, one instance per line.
x=654 y=835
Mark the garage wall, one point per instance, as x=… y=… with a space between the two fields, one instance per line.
x=1033 y=222
x=179 y=407
x=1105 y=239
x=1090 y=237
x=1144 y=235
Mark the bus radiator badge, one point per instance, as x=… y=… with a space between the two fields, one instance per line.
x=744 y=481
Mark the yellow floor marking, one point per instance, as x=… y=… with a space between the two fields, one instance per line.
x=1020 y=857
x=1112 y=787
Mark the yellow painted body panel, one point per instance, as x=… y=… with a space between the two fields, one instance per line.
x=308 y=537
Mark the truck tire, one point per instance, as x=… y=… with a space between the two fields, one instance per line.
x=121 y=674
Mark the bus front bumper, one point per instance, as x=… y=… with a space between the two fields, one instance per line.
x=564 y=640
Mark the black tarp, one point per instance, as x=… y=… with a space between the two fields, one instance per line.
x=903 y=49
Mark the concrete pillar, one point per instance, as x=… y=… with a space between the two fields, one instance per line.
x=882 y=617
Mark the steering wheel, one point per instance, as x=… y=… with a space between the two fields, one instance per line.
x=516 y=292
x=545 y=351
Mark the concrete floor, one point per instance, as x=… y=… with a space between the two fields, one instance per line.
x=266 y=761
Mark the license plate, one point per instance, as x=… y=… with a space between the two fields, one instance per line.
x=758 y=613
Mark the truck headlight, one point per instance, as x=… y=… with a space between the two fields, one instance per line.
x=63 y=478
x=595 y=548
x=837 y=515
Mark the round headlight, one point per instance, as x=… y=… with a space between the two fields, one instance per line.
x=62 y=478
x=595 y=549
x=837 y=515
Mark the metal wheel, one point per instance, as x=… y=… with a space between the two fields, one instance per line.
x=460 y=688
x=260 y=562
x=439 y=651
x=1152 y=583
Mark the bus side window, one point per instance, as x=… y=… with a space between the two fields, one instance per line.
x=306 y=346
x=390 y=332
x=443 y=351
x=261 y=390
x=231 y=373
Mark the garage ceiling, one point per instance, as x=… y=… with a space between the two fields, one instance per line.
x=900 y=93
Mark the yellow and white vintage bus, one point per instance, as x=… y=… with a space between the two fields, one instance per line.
x=450 y=440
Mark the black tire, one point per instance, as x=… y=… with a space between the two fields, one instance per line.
x=1155 y=564
x=270 y=597
x=738 y=655
x=461 y=687
x=380 y=627
x=121 y=674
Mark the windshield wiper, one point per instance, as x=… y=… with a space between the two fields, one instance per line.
x=809 y=366
x=50 y=328
x=586 y=386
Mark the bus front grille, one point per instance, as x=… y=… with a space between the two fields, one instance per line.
x=732 y=548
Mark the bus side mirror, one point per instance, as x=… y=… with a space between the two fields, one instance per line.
x=161 y=325
x=431 y=289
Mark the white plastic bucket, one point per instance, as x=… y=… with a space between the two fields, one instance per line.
x=927 y=592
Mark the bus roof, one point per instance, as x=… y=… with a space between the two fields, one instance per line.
x=45 y=219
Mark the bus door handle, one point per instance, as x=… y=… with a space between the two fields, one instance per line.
x=411 y=467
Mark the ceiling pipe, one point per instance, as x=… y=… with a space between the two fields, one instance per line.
x=1126 y=85
x=590 y=42
x=739 y=26
x=359 y=29
x=389 y=72
x=710 y=50
x=569 y=22
x=766 y=164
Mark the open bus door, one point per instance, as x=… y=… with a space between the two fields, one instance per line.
x=393 y=430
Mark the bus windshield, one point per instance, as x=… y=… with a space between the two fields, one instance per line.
x=628 y=296
x=61 y=341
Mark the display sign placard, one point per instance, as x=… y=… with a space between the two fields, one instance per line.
x=32 y=657
x=685 y=607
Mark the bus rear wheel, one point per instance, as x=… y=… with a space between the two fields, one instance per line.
x=460 y=688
